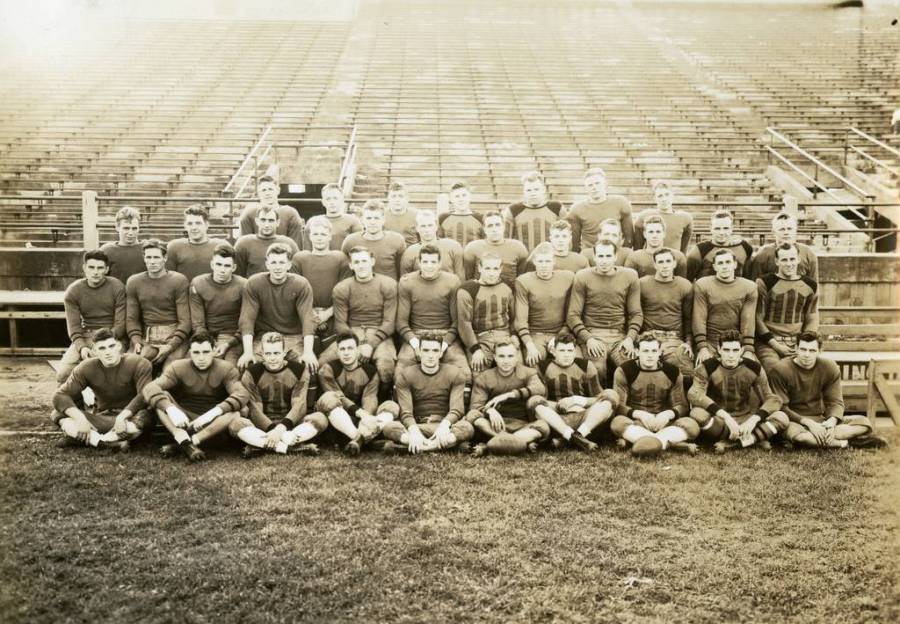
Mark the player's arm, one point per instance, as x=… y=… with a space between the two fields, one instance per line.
x=700 y=315
x=620 y=385
x=72 y=308
x=748 y=320
x=575 y=224
x=255 y=403
x=247 y=226
x=133 y=321
x=813 y=266
x=247 y=323
x=687 y=235
x=65 y=396
x=404 y=308
x=370 y=394
x=119 y=314
x=694 y=263
x=635 y=315
x=782 y=388
x=183 y=312
x=478 y=399
x=456 y=258
x=575 y=309
x=769 y=402
x=295 y=231
x=340 y=303
x=833 y=397
x=453 y=332
x=241 y=259
x=762 y=304
x=198 y=310
x=408 y=261
x=390 y=302
x=687 y=310
x=299 y=395
x=464 y=306
x=625 y=219
x=469 y=261
x=811 y=315
x=304 y=307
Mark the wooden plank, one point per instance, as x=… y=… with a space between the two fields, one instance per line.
x=34 y=314
x=880 y=329
x=31 y=297
x=887 y=395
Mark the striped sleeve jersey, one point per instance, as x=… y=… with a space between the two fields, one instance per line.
x=580 y=378
x=277 y=395
x=785 y=307
x=736 y=390
x=357 y=387
x=480 y=308
x=463 y=228
x=531 y=224
x=653 y=391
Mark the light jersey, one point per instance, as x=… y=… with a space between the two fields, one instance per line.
x=785 y=307
x=815 y=392
x=425 y=397
x=700 y=258
x=273 y=394
x=158 y=301
x=427 y=304
x=250 y=252
x=89 y=307
x=115 y=388
x=198 y=390
x=667 y=306
x=586 y=216
x=290 y=223
x=679 y=229
x=513 y=256
x=480 y=308
x=191 y=259
x=720 y=306
x=124 y=260
x=387 y=251
x=403 y=224
x=531 y=224
x=572 y=261
x=541 y=303
x=285 y=308
x=216 y=308
x=451 y=258
x=524 y=381
x=641 y=260
x=463 y=228
x=737 y=390
x=600 y=301
x=357 y=387
x=323 y=272
x=366 y=304
x=653 y=391
x=580 y=378
x=763 y=262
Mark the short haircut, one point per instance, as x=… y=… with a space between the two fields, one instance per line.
x=655 y=219
x=648 y=336
x=197 y=210
x=505 y=342
x=807 y=336
x=200 y=337
x=662 y=251
x=359 y=249
x=491 y=214
x=783 y=216
x=561 y=224
x=396 y=186
x=224 y=250
x=431 y=336
x=594 y=171
x=606 y=242
x=785 y=247
x=431 y=215
x=722 y=252
x=459 y=184
x=264 y=210
x=346 y=336
x=104 y=333
x=489 y=255
x=95 y=254
x=722 y=214
x=373 y=205
x=730 y=335
x=319 y=221
x=331 y=186
x=660 y=184
x=564 y=337
x=278 y=249
x=266 y=178
x=153 y=243
x=611 y=221
x=127 y=213
x=272 y=337
x=429 y=249
x=532 y=176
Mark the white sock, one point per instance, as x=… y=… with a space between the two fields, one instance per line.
x=384 y=418
x=94 y=438
x=281 y=447
x=252 y=436
x=633 y=433
x=303 y=432
x=671 y=435
x=110 y=436
x=181 y=435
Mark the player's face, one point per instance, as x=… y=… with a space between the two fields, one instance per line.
x=665 y=265
x=720 y=230
x=612 y=232
x=319 y=237
x=596 y=187
x=109 y=351
x=222 y=269
x=543 y=265
x=730 y=353
x=663 y=197
x=348 y=352
x=196 y=227
x=373 y=221
x=430 y=354
x=460 y=199
x=267 y=223
x=724 y=266
x=787 y=262
x=534 y=192
x=561 y=240
x=278 y=266
x=154 y=260
x=506 y=358
x=427 y=228
x=807 y=352
x=648 y=354
x=202 y=354
x=333 y=200
x=273 y=355
x=605 y=257
x=94 y=271
x=654 y=234
x=493 y=229
x=785 y=231
x=361 y=264
x=429 y=264
x=128 y=231
x=397 y=200
x=564 y=354
x=267 y=192
x=489 y=269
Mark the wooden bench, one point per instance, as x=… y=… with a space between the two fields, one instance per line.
x=12 y=300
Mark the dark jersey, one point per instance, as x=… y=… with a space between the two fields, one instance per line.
x=277 y=395
x=580 y=378
x=357 y=387
x=736 y=390
x=653 y=391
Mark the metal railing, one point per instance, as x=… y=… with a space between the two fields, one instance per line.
x=251 y=156
x=870 y=141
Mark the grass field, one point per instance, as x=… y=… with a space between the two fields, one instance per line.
x=752 y=536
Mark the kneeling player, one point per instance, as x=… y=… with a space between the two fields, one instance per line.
x=721 y=398
x=652 y=414
x=431 y=399
x=499 y=409
x=576 y=403
x=117 y=380
x=350 y=396
x=206 y=397
x=278 y=390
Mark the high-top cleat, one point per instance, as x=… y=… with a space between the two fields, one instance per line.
x=168 y=450
x=392 y=448
x=622 y=443
x=582 y=443
x=648 y=446
x=532 y=447
x=868 y=441
x=249 y=451
x=352 y=448
x=310 y=450
x=688 y=448
x=67 y=442
x=464 y=448
x=480 y=450
x=193 y=454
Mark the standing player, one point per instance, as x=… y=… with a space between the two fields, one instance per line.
x=809 y=387
x=576 y=404
x=784 y=228
x=289 y=224
x=511 y=252
x=117 y=380
x=197 y=398
x=484 y=313
x=653 y=414
x=157 y=308
x=787 y=306
x=587 y=215
x=278 y=301
x=250 y=249
x=460 y=224
x=191 y=256
x=126 y=257
x=342 y=224
x=541 y=297
x=386 y=247
x=605 y=310
x=498 y=409
x=667 y=302
x=721 y=302
x=564 y=259
x=529 y=220
x=641 y=260
x=91 y=303
x=700 y=258
x=431 y=399
x=451 y=252
x=679 y=224
x=723 y=396
x=215 y=301
x=399 y=217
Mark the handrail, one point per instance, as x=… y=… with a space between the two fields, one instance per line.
x=348 y=157
x=872 y=139
x=879 y=163
x=800 y=171
x=256 y=146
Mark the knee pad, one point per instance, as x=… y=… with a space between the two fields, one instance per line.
x=391 y=407
x=534 y=401
x=463 y=430
x=610 y=395
x=701 y=416
x=317 y=420
x=237 y=424
x=619 y=424
x=328 y=401
x=690 y=427
x=542 y=427
x=506 y=444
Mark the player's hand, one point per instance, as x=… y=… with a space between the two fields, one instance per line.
x=816 y=429
x=644 y=417
x=566 y=403
x=479 y=361
x=83 y=433
x=177 y=417
x=121 y=422
x=312 y=363
x=416 y=441
x=595 y=348
x=497 y=400
x=781 y=349
x=247 y=358
x=442 y=435
x=316 y=317
x=365 y=352
x=830 y=423
x=532 y=355
x=137 y=346
x=162 y=354
x=274 y=437
x=85 y=353
x=496 y=420
x=686 y=350
x=703 y=354
x=734 y=429
x=627 y=347
x=321 y=327
x=444 y=347
x=88 y=397
x=221 y=348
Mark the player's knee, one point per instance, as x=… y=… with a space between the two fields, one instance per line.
x=328 y=402
x=506 y=444
x=541 y=427
x=237 y=425
x=534 y=402
x=56 y=416
x=390 y=407
x=619 y=424
x=701 y=416
x=463 y=430
x=393 y=430
x=779 y=420
x=690 y=426
x=318 y=420
x=610 y=395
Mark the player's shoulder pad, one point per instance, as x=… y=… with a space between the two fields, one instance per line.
x=369 y=369
x=582 y=363
x=704 y=247
x=256 y=371
x=335 y=366
x=443 y=217
x=710 y=365
x=769 y=280
x=296 y=367
x=631 y=370
x=516 y=209
x=753 y=365
x=555 y=207
x=669 y=370
x=813 y=284
x=747 y=247
x=472 y=287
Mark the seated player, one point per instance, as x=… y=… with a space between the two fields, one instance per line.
x=529 y=220
x=701 y=257
x=679 y=224
x=586 y=216
x=399 y=217
x=289 y=223
x=564 y=259
x=511 y=252
x=324 y=268
x=484 y=313
x=784 y=228
x=386 y=246
x=350 y=396
x=278 y=389
x=451 y=252
x=498 y=409
x=196 y=398
x=666 y=303
x=460 y=224
x=126 y=256
x=432 y=403
x=787 y=305
x=215 y=302
x=91 y=303
x=191 y=256
x=342 y=224
x=653 y=414
x=250 y=249
x=725 y=390
x=157 y=308
x=722 y=302
x=809 y=387
x=540 y=309
x=576 y=404
x=654 y=234
x=117 y=380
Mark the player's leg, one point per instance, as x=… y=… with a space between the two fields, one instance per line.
x=242 y=429
x=680 y=431
x=219 y=425
x=520 y=437
x=599 y=413
x=338 y=417
x=309 y=427
x=72 y=432
x=799 y=435
x=70 y=359
x=385 y=358
x=628 y=429
x=711 y=428
x=767 y=356
x=857 y=430
x=674 y=354
x=563 y=424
